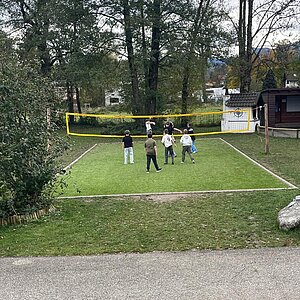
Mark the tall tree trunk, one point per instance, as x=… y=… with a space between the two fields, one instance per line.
x=136 y=102
x=46 y=63
x=43 y=33
x=245 y=44
x=189 y=56
x=184 y=91
x=203 y=70
x=70 y=101
x=151 y=97
x=242 y=43
x=144 y=46
x=38 y=35
x=77 y=93
x=248 y=70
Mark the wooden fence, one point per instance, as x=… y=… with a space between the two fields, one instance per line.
x=20 y=219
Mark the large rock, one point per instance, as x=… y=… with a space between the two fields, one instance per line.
x=289 y=216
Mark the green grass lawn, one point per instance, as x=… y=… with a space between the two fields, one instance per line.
x=111 y=225
x=217 y=167
x=207 y=221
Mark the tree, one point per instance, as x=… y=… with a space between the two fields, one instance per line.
x=95 y=74
x=270 y=81
x=32 y=20
x=257 y=22
x=198 y=19
x=154 y=59
x=134 y=21
x=55 y=33
x=136 y=98
x=286 y=58
x=203 y=37
x=29 y=146
x=156 y=36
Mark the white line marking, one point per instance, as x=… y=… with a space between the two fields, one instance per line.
x=173 y=193
x=78 y=158
x=261 y=166
x=290 y=185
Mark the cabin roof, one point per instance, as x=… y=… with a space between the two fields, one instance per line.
x=242 y=100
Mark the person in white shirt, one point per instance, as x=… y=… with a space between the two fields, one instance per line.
x=168 y=141
x=148 y=124
x=186 y=142
x=170 y=127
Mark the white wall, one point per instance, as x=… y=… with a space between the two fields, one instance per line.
x=237 y=120
x=113 y=97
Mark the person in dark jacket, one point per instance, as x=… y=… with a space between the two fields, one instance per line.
x=191 y=131
x=127 y=145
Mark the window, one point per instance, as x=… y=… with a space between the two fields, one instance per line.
x=254 y=112
x=114 y=100
x=277 y=105
x=293 y=104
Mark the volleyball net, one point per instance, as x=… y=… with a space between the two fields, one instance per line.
x=113 y=126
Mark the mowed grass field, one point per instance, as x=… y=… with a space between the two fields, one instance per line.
x=227 y=220
x=218 y=167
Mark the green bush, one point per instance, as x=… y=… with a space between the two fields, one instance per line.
x=29 y=146
x=88 y=121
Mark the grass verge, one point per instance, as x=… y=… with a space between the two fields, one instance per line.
x=226 y=221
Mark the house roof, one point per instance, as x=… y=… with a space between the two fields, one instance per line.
x=291 y=77
x=242 y=100
x=282 y=90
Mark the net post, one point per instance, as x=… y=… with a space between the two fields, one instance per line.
x=248 y=119
x=67 y=123
x=267 y=149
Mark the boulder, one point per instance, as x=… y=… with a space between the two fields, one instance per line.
x=289 y=216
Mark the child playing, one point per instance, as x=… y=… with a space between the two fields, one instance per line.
x=168 y=141
x=148 y=126
x=127 y=144
x=151 y=153
x=186 y=142
x=191 y=131
x=170 y=127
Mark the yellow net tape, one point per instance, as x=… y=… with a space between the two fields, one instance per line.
x=68 y=114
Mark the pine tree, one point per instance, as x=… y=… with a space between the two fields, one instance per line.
x=269 y=81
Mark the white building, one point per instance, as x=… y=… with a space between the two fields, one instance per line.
x=113 y=97
x=240 y=108
x=291 y=81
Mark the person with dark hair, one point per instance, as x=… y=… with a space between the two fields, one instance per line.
x=151 y=153
x=191 y=131
x=168 y=141
x=127 y=145
x=171 y=128
x=186 y=143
